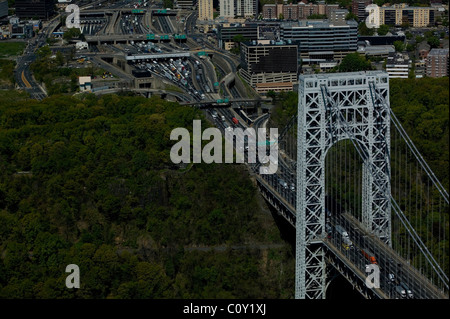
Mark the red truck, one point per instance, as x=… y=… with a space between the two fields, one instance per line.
x=235 y=120
x=369 y=256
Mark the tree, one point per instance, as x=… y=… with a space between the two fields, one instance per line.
x=419 y=39
x=44 y=52
x=410 y=47
x=351 y=16
x=364 y=30
x=354 y=62
x=399 y=46
x=317 y=16
x=433 y=41
x=238 y=39
x=72 y=33
x=383 y=29
x=59 y=59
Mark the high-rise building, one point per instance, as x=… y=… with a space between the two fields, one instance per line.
x=270 y=12
x=321 y=41
x=437 y=64
x=359 y=8
x=41 y=9
x=276 y=64
x=3 y=8
x=399 y=14
x=397 y=66
x=246 y=8
x=294 y=12
x=290 y=12
x=337 y=17
x=318 y=41
x=205 y=10
x=227 y=34
x=185 y=4
x=227 y=8
x=238 y=8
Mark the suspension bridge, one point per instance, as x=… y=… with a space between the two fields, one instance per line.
x=358 y=192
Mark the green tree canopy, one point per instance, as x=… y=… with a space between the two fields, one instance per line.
x=354 y=62
x=383 y=29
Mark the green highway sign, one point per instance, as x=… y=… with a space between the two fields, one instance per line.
x=216 y=83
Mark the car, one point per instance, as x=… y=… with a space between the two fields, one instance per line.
x=283 y=183
x=391 y=278
x=408 y=291
x=401 y=291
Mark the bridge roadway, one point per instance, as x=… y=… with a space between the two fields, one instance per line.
x=388 y=260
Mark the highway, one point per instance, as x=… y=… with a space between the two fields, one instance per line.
x=23 y=76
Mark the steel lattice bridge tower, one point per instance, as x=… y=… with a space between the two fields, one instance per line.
x=334 y=107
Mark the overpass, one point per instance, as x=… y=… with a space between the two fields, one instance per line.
x=225 y=102
x=126 y=38
x=157 y=56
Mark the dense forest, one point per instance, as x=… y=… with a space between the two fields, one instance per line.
x=89 y=181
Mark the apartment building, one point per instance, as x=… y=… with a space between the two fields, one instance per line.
x=437 y=64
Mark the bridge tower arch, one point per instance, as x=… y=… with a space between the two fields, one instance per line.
x=333 y=107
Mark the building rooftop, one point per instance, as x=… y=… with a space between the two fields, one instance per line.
x=317 y=23
x=438 y=52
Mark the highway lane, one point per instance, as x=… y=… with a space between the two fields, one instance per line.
x=23 y=76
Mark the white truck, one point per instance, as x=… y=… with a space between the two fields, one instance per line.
x=81 y=45
x=346 y=242
x=341 y=231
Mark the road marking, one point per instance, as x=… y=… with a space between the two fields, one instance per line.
x=27 y=84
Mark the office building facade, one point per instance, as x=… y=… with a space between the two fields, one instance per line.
x=292 y=12
x=227 y=8
x=227 y=34
x=3 y=8
x=238 y=8
x=359 y=8
x=321 y=41
x=185 y=4
x=246 y=8
x=205 y=10
x=402 y=14
x=275 y=63
x=397 y=66
x=42 y=9
x=318 y=41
